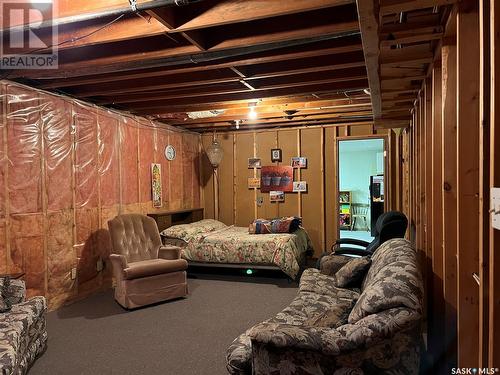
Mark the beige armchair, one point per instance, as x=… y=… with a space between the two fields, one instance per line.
x=145 y=271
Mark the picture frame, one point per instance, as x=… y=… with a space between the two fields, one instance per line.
x=156 y=188
x=254 y=163
x=276 y=155
x=276 y=178
x=299 y=162
x=253 y=183
x=276 y=196
x=299 y=186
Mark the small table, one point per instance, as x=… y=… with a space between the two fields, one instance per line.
x=13 y=276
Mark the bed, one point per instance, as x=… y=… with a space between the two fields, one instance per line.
x=210 y=242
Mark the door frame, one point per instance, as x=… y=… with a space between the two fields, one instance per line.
x=387 y=172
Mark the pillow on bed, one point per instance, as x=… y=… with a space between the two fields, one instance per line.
x=278 y=225
x=187 y=232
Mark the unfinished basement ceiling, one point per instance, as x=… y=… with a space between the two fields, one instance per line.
x=299 y=62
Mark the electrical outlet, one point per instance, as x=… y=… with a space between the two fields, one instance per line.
x=100 y=265
x=73 y=273
x=495 y=207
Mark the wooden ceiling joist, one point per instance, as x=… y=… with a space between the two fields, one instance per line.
x=398 y=6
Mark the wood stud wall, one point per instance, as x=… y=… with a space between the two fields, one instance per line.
x=318 y=207
x=451 y=159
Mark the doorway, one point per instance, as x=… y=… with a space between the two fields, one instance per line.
x=361 y=187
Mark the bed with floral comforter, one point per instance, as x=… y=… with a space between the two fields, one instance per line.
x=211 y=241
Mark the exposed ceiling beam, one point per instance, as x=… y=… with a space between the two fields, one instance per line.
x=410 y=39
x=368 y=24
x=343 y=45
x=398 y=6
x=235 y=11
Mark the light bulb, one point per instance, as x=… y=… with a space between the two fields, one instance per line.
x=252 y=115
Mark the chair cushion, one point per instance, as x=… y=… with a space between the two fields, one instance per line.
x=152 y=267
x=314 y=281
x=352 y=272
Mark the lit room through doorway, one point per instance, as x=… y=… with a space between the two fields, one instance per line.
x=361 y=187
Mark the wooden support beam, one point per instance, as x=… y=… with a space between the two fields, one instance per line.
x=449 y=214
x=410 y=39
x=436 y=329
x=494 y=234
x=468 y=181
x=368 y=24
x=398 y=6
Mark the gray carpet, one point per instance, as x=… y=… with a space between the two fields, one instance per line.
x=187 y=336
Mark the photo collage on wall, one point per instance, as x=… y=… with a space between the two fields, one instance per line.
x=277 y=179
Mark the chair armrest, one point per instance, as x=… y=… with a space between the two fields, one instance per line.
x=118 y=261
x=352 y=251
x=169 y=252
x=351 y=241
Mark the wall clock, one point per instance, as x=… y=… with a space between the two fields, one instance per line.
x=170 y=152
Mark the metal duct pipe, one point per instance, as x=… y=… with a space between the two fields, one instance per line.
x=126 y=9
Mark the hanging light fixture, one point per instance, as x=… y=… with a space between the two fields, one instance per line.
x=215 y=153
x=252 y=115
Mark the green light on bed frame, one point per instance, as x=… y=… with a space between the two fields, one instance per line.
x=249 y=271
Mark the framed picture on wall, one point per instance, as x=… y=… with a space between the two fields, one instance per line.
x=253 y=183
x=276 y=196
x=156 y=185
x=254 y=163
x=300 y=186
x=299 y=162
x=276 y=178
x=276 y=155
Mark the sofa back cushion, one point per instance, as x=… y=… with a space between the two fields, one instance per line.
x=352 y=273
x=393 y=280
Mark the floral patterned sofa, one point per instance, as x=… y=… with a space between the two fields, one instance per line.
x=382 y=334
x=23 y=335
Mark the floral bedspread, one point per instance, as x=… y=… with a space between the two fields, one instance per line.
x=235 y=245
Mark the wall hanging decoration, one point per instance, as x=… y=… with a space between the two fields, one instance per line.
x=300 y=186
x=215 y=154
x=254 y=163
x=276 y=196
x=253 y=183
x=170 y=152
x=276 y=154
x=299 y=162
x=156 y=185
x=276 y=178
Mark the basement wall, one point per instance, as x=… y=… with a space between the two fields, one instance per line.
x=451 y=161
x=66 y=168
x=318 y=206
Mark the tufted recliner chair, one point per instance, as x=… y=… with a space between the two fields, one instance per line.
x=145 y=271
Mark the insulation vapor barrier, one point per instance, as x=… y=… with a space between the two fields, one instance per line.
x=66 y=168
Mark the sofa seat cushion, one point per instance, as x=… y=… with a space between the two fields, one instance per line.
x=334 y=317
x=314 y=281
x=19 y=328
x=153 y=267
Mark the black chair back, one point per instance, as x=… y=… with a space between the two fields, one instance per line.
x=391 y=224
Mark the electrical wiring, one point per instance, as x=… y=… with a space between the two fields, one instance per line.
x=71 y=40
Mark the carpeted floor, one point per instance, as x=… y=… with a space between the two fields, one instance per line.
x=187 y=336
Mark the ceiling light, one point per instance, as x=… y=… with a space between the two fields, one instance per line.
x=252 y=115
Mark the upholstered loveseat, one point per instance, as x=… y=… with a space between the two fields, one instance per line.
x=382 y=334
x=23 y=335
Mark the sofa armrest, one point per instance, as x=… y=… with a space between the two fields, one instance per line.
x=169 y=252
x=13 y=291
x=296 y=337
